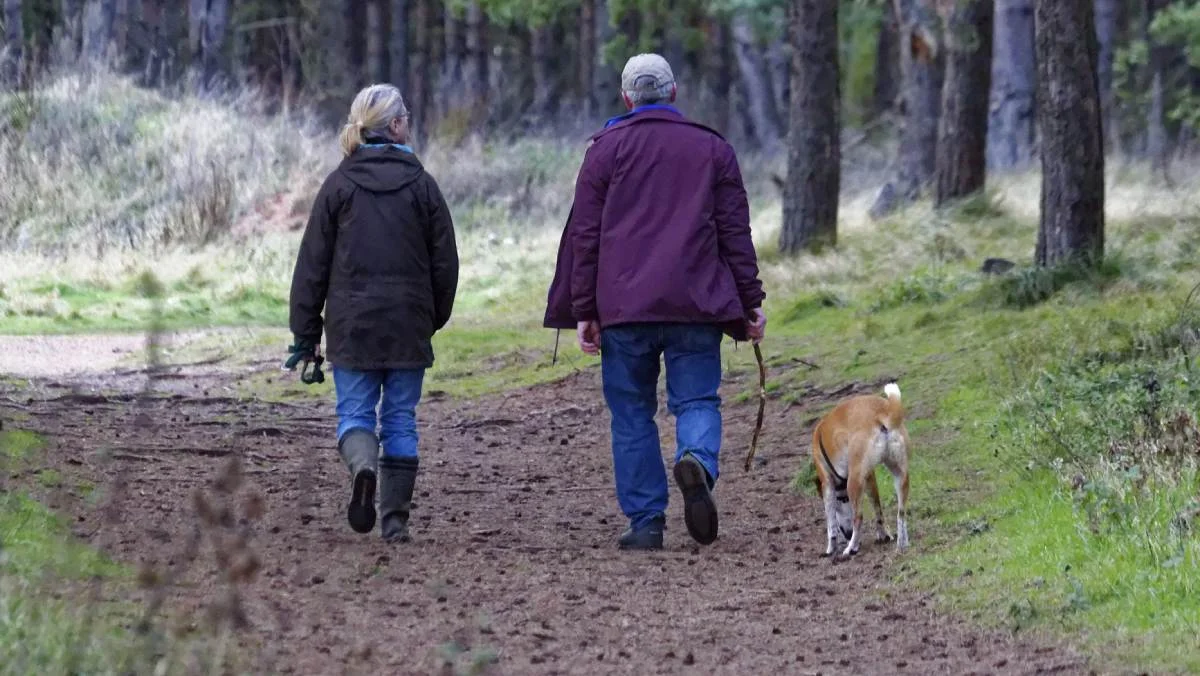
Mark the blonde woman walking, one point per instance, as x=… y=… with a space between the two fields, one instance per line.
x=379 y=258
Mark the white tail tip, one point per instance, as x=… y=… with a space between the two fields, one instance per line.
x=892 y=390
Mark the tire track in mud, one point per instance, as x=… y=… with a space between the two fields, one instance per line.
x=514 y=563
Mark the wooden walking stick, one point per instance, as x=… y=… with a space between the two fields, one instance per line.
x=762 y=404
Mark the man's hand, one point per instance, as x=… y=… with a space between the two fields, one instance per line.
x=756 y=325
x=589 y=337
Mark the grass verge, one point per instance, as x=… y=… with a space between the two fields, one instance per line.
x=1054 y=465
x=54 y=618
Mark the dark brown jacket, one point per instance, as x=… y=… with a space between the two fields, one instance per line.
x=379 y=257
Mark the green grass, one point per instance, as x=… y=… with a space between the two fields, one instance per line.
x=1002 y=537
x=49 y=621
x=38 y=633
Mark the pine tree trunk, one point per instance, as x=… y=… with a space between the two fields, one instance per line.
x=475 y=69
x=14 y=45
x=543 y=88
x=376 y=35
x=293 y=72
x=587 y=56
x=153 y=66
x=72 y=21
x=921 y=68
x=717 y=76
x=1011 y=120
x=887 y=63
x=779 y=60
x=208 y=22
x=98 y=28
x=1109 y=15
x=605 y=77
x=1072 y=218
x=121 y=14
x=450 y=87
x=962 y=138
x=763 y=116
x=1157 y=139
x=921 y=59
x=810 y=201
x=420 y=79
x=398 y=48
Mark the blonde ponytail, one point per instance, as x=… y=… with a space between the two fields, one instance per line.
x=372 y=111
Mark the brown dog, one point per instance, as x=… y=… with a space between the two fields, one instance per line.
x=848 y=444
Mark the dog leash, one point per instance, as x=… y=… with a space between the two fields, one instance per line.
x=839 y=486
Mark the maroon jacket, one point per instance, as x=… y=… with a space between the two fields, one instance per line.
x=659 y=231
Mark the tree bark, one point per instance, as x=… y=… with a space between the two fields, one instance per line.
x=605 y=78
x=779 y=60
x=1011 y=119
x=887 y=63
x=72 y=21
x=543 y=88
x=1109 y=17
x=1157 y=139
x=921 y=67
x=718 y=75
x=475 y=69
x=1072 y=203
x=377 y=70
x=154 y=64
x=398 y=48
x=763 y=115
x=14 y=44
x=962 y=138
x=98 y=28
x=208 y=21
x=810 y=201
x=121 y=14
x=452 y=61
x=419 y=77
x=587 y=56
x=922 y=64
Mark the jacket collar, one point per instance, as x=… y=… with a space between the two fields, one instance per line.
x=643 y=109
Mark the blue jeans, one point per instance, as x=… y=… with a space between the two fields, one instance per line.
x=630 y=367
x=358 y=395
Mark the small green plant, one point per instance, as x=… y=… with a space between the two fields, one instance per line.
x=923 y=287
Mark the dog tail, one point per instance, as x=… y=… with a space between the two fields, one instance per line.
x=895 y=409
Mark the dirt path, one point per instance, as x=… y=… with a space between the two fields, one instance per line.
x=514 y=557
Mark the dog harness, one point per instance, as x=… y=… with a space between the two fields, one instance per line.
x=839 y=481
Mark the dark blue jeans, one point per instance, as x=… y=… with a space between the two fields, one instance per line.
x=630 y=357
x=359 y=395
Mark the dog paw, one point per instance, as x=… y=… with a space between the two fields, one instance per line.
x=825 y=555
x=883 y=538
x=842 y=558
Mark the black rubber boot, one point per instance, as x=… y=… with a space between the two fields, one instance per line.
x=699 y=509
x=399 y=476
x=649 y=536
x=360 y=451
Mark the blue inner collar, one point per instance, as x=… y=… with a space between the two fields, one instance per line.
x=399 y=146
x=653 y=106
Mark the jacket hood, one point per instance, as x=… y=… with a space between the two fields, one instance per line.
x=382 y=168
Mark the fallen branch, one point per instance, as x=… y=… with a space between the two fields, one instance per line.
x=762 y=405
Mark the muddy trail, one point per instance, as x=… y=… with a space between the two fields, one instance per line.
x=513 y=569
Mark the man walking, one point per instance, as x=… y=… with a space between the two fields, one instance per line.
x=656 y=262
